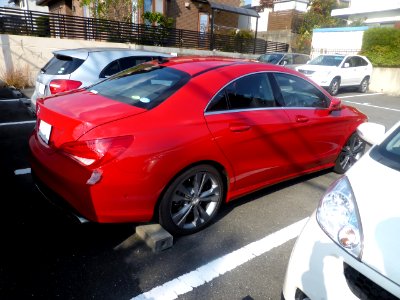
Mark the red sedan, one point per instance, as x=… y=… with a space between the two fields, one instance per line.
x=172 y=140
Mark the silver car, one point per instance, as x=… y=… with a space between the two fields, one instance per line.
x=289 y=60
x=75 y=68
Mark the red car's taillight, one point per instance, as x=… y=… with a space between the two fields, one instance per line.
x=62 y=85
x=96 y=152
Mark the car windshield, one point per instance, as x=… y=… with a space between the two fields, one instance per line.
x=327 y=60
x=390 y=150
x=272 y=58
x=145 y=85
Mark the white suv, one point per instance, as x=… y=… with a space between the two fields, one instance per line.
x=333 y=71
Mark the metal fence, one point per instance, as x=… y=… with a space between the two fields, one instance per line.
x=33 y=23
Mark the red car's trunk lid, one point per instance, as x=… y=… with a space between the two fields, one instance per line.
x=73 y=114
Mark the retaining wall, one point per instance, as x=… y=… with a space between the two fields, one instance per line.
x=32 y=53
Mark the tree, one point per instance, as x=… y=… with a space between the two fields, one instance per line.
x=158 y=19
x=114 y=10
x=318 y=15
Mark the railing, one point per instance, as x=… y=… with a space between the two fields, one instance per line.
x=317 y=51
x=33 y=23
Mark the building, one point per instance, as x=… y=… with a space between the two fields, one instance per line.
x=281 y=22
x=371 y=12
x=194 y=15
x=29 y=5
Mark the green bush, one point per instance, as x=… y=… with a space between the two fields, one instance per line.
x=382 y=46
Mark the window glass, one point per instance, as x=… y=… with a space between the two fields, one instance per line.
x=123 y=64
x=287 y=60
x=299 y=59
x=297 y=92
x=62 y=65
x=251 y=91
x=390 y=150
x=327 y=60
x=219 y=102
x=359 y=61
x=145 y=85
x=148 y=5
x=159 y=6
x=352 y=61
x=111 y=69
x=272 y=58
x=128 y=62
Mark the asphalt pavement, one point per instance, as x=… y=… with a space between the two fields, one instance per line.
x=47 y=256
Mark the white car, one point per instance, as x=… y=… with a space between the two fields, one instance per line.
x=350 y=246
x=333 y=71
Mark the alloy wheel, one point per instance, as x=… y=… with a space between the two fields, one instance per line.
x=351 y=153
x=192 y=200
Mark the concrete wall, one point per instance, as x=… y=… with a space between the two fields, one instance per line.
x=385 y=80
x=282 y=36
x=299 y=5
x=32 y=53
x=346 y=40
x=20 y=52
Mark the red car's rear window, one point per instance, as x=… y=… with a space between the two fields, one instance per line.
x=144 y=86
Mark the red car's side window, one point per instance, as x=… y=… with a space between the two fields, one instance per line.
x=297 y=92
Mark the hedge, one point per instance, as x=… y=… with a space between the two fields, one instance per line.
x=382 y=46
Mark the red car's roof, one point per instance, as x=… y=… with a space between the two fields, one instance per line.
x=194 y=65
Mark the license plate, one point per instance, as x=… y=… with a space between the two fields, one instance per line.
x=44 y=131
x=41 y=88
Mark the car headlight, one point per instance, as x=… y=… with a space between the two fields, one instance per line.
x=338 y=216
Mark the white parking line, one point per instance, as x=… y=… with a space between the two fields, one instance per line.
x=17 y=123
x=375 y=106
x=363 y=95
x=22 y=171
x=187 y=282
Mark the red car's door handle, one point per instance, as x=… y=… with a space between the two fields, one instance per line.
x=239 y=127
x=301 y=119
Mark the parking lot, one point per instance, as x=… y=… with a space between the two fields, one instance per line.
x=48 y=256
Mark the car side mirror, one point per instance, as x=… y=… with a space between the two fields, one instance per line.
x=372 y=133
x=335 y=104
x=346 y=65
x=284 y=63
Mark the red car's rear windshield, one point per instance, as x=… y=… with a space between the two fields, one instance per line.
x=144 y=86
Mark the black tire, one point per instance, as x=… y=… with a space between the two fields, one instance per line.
x=350 y=154
x=363 y=88
x=334 y=86
x=192 y=200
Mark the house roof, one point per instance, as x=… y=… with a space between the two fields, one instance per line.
x=42 y=2
x=345 y=12
x=234 y=9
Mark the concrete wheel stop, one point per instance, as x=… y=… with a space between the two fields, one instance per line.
x=155 y=237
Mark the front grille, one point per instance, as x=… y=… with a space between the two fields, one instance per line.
x=363 y=287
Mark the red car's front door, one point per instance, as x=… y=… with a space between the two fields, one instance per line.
x=253 y=132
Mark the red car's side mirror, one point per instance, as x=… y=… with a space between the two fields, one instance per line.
x=336 y=104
